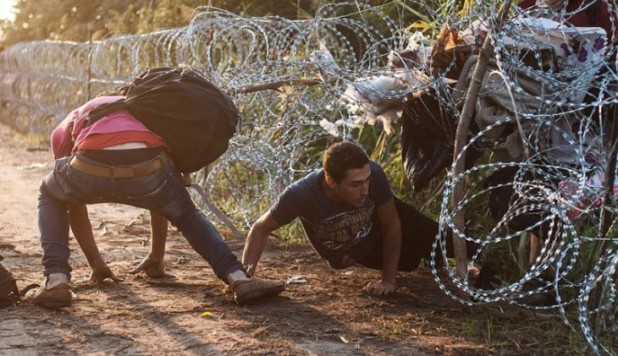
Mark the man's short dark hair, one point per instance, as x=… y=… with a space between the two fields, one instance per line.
x=341 y=157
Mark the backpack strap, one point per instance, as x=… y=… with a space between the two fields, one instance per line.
x=103 y=110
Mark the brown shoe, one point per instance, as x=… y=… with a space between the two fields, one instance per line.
x=253 y=289
x=56 y=297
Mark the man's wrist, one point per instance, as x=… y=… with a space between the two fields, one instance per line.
x=392 y=282
x=97 y=263
x=154 y=257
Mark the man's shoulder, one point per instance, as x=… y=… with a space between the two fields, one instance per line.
x=374 y=165
x=380 y=188
x=303 y=194
x=376 y=168
x=297 y=199
x=307 y=184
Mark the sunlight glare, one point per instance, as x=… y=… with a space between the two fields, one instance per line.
x=6 y=9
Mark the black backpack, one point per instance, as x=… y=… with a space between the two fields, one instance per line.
x=192 y=115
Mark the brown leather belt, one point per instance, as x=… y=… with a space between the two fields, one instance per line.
x=137 y=170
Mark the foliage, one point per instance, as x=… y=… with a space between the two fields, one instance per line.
x=83 y=20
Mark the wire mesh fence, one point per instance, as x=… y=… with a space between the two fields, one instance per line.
x=537 y=153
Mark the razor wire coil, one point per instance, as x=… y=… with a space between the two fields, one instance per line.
x=347 y=45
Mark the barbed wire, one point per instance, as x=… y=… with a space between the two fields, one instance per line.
x=542 y=119
x=556 y=156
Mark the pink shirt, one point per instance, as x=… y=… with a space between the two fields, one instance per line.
x=71 y=135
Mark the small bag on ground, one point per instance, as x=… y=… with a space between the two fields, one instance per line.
x=9 y=294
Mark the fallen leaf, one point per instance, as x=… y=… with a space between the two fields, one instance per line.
x=206 y=314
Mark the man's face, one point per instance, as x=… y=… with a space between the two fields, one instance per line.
x=354 y=187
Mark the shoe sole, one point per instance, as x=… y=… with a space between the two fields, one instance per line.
x=259 y=294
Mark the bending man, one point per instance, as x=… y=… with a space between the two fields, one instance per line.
x=117 y=159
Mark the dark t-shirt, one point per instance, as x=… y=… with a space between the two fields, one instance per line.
x=334 y=229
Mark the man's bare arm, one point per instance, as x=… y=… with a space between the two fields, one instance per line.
x=391 y=248
x=82 y=230
x=153 y=264
x=257 y=240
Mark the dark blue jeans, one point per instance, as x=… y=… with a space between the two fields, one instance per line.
x=163 y=192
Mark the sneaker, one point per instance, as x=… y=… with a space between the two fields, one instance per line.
x=56 y=297
x=246 y=291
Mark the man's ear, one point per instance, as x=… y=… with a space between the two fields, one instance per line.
x=329 y=180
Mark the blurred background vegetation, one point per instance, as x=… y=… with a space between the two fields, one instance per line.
x=92 y=20
x=84 y=20
x=95 y=20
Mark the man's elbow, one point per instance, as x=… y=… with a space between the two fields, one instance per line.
x=258 y=232
x=263 y=227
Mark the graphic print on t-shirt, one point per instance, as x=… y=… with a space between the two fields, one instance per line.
x=344 y=230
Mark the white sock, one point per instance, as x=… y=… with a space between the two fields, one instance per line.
x=55 y=279
x=238 y=275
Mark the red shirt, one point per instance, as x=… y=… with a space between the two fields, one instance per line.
x=116 y=128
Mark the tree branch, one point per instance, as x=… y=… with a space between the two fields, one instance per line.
x=276 y=85
x=461 y=139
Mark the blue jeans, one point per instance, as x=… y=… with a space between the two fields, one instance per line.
x=162 y=191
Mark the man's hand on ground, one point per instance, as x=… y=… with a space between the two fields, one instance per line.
x=153 y=268
x=101 y=273
x=380 y=287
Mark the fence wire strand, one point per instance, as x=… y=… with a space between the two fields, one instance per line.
x=334 y=73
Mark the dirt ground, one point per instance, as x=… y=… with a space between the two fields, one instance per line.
x=326 y=313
